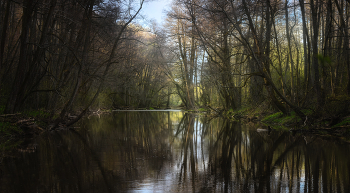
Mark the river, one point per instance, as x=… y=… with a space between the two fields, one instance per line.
x=173 y=151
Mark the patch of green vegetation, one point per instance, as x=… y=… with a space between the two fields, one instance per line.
x=231 y=112
x=7 y=129
x=281 y=119
x=151 y=108
x=292 y=118
x=242 y=110
x=344 y=122
x=307 y=112
x=2 y=109
x=6 y=126
x=272 y=117
x=202 y=109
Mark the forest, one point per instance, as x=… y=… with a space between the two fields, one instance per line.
x=65 y=57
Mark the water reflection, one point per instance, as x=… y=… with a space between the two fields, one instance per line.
x=176 y=152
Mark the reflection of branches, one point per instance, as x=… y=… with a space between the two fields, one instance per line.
x=285 y=152
x=223 y=133
x=95 y=157
x=264 y=163
x=180 y=128
x=72 y=161
x=186 y=143
x=189 y=149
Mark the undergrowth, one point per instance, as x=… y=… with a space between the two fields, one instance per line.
x=345 y=122
x=8 y=133
x=7 y=129
x=272 y=117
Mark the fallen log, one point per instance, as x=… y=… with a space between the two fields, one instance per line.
x=24 y=121
x=10 y=115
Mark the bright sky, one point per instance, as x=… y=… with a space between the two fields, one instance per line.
x=155 y=10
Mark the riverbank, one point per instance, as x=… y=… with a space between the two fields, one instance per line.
x=338 y=126
x=19 y=128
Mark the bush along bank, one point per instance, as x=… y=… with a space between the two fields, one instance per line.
x=338 y=126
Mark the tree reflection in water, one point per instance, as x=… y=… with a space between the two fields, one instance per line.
x=176 y=152
x=251 y=161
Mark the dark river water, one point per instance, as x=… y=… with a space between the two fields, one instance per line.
x=175 y=152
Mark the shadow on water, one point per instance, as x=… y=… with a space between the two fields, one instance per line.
x=176 y=152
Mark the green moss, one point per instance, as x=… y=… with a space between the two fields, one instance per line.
x=344 y=122
x=5 y=126
x=231 y=112
x=307 y=112
x=272 y=117
x=202 y=109
x=279 y=118
x=7 y=130
x=292 y=118
x=242 y=111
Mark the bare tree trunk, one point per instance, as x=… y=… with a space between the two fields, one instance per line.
x=328 y=44
x=4 y=34
x=346 y=43
x=192 y=54
x=187 y=76
x=289 y=51
x=306 y=43
x=279 y=59
x=22 y=66
x=315 y=25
